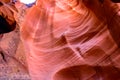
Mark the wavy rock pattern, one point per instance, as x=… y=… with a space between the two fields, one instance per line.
x=72 y=40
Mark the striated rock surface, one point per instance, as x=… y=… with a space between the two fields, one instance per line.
x=72 y=40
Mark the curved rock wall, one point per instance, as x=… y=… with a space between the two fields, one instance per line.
x=72 y=40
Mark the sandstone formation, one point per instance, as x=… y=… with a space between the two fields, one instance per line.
x=12 y=58
x=63 y=40
x=72 y=40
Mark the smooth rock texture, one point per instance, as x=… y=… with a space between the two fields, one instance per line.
x=64 y=40
x=72 y=40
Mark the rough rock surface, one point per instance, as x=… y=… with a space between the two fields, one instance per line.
x=13 y=64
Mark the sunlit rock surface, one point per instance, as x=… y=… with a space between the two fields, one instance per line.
x=72 y=40
x=66 y=40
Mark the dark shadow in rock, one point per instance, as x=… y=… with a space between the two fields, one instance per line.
x=86 y=72
x=114 y=28
x=3 y=56
x=5 y=27
x=116 y=1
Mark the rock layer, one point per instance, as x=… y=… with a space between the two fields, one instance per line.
x=72 y=40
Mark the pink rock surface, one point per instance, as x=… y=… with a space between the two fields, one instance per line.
x=72 y=40
x=12 y=58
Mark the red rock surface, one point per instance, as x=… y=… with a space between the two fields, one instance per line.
x=13 y=64
x=72 y=40
x=63 y=40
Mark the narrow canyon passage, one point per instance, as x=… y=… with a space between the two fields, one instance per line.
x=60 y=40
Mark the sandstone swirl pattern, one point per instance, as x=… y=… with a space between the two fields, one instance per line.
x=72 y=40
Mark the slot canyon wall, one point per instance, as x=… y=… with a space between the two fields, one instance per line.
x=72 y=40
x=13 y=64
x=64 y=40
